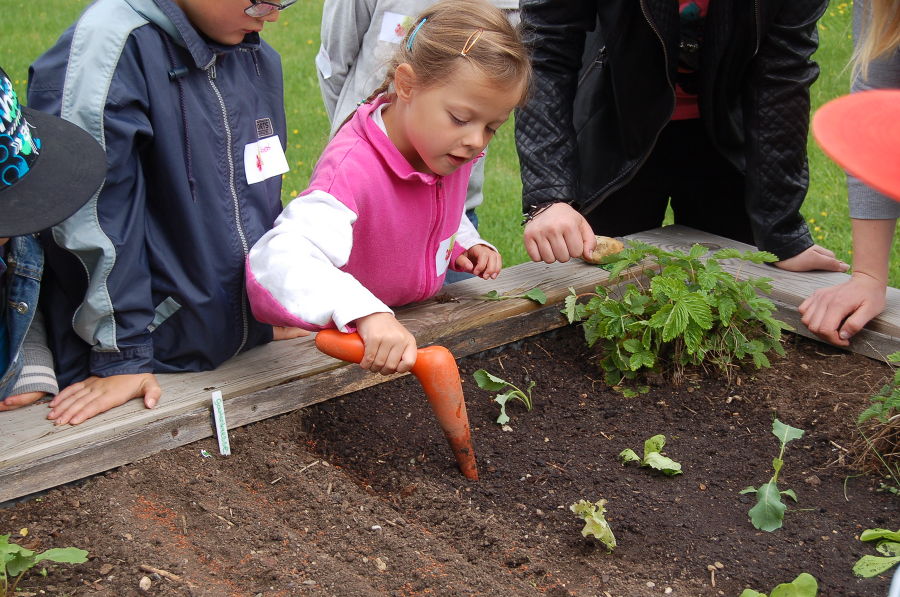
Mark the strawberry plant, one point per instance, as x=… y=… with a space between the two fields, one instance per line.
x=653 y=456
x=768 y=512
x=805 y=585
x=888 y=545
x=594 y=516
x=17 y=561
x=689 y=311
x=489 y=382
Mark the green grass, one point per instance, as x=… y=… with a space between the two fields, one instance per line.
x=296 y=37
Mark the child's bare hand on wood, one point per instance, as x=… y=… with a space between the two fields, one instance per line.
x=20 y=400
x=390 y=348
x=280 y=332
x=481 y=261
x=85 y=399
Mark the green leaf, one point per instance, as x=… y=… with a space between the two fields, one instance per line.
x=20 y=562
x=642 y=359
x=869 y=566
x=727 y=307
x=628 y=455
x=595 y=521
x=502 y=399
x=888 y=548
x=768 y=513
x=698 y=251
x=654 y=444
x=804 y=585
x=486 y=381
x=676 y=322
x=492 y=295
x=790 y=493
x=698 y=309
x=727 y=253
x=752 y=593
x=875 y=534
x=571 y=303
x=749 y=489
x=785 y=433
x=63 y=555
x=537 y=295
x=663 y=464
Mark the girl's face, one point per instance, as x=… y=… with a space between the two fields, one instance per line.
x=224 y=21
x=440 y=128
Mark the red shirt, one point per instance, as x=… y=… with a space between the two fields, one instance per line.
x=693 y=12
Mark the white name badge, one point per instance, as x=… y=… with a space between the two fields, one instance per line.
x=442 y=257
x=264 y=159
x=393 y=27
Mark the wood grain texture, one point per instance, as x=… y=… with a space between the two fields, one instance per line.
x=284 y=376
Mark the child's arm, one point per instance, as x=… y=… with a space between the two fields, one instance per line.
x=293 y=271
x=37 y=378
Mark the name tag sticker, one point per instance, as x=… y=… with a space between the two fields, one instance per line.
x=264 y=159
x=393 y=27
x=442 y=258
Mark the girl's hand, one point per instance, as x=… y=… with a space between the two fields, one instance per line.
x=481 y=261
x=390 y=348
x=85 y=399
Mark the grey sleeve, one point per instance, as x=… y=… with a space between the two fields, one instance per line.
x=344 y=24
x=883 y=73
x=37 y=370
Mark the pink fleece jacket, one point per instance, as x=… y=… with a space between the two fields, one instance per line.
x=369 y=233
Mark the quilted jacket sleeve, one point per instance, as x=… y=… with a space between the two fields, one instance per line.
x=545 y=136
x=776 y=109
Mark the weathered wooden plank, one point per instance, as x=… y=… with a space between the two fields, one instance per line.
x=879 y=338
x=284 y=376
x=273 y=379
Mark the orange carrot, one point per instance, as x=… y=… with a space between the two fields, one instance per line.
x=436 y=370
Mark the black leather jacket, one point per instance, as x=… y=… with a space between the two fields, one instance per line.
x=592 y=121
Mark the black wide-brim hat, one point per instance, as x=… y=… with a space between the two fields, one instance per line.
x=48 y=185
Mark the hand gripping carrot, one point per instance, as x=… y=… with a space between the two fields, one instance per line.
x=436 y=370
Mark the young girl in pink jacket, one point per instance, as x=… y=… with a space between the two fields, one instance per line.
x=383 y=217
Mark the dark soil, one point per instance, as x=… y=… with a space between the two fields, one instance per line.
x=360 y=495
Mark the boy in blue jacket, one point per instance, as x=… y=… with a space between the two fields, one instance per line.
x=48 y=169
x=148 y=276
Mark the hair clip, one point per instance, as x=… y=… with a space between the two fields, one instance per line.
x=467 y=47
x=412 y=35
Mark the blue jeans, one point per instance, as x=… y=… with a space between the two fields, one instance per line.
x=23 y=281
x=453 y=276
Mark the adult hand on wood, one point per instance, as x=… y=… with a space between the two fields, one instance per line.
x=85 y=399
x=813 y=258
x=390 y=348
x=557 y=234
x=280 y=332
x=837 y=313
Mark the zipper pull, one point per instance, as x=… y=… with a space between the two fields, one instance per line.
x=212 y=71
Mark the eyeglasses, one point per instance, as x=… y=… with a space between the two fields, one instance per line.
x=261 y=8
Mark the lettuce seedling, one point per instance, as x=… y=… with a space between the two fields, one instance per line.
x=653 y=456
x=768 y=512
x=595 y=521
x=804 y=585
x=888 y=545
x=489 y=382
x=535 y=294
x=17 y=561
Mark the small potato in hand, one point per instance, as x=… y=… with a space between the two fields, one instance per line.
x=605 y=246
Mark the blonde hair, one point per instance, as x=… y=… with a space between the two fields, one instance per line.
x=880 y=34
x=451 y=31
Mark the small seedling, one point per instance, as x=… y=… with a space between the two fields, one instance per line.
x=17 y=561
x=888 y=545
x=768 y=513
x=595 y=521
x=653 y=456
x=492 y=383
x=804 y=585
x=887 y=400
x=535 y=294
